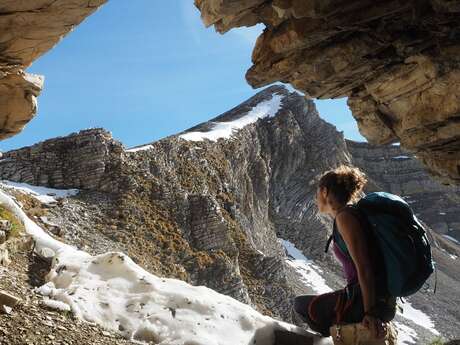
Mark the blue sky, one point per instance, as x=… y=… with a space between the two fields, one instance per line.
x=143 y=70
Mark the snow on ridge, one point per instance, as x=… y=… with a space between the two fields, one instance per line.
x=140 y=148
x=264 y=109
x=43 y=194
x=309 y=272
x=114 y=292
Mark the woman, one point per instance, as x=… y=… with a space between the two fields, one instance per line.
x=365 y=298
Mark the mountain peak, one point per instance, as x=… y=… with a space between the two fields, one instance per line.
x=264 y=104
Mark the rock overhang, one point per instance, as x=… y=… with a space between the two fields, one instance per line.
x=28 y=29
x=397 y=62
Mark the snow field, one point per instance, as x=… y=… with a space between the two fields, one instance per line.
x=309 y=272
x=418 y=317
x=112 y=291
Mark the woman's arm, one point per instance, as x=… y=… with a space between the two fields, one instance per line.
x=353 y=235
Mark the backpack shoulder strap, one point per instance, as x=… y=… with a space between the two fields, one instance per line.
x=328 y=243
x=334 y=228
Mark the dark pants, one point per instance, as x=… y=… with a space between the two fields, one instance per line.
x=320 y=312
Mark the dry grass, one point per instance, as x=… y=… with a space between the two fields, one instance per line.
x=16 y=226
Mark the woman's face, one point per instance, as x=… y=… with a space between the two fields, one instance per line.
x=321 y=199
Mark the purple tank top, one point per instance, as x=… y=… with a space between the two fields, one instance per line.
x=348 y=266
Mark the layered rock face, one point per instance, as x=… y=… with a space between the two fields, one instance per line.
x=394 y=170
x=214 y=212
x=85 y=161
x=28 y=29
x=398 y=62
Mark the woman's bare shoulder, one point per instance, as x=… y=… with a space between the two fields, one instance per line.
x=347 y=220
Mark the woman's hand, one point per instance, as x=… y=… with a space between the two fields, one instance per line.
x=375 y=325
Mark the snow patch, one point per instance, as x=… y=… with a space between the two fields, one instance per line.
x=43 y=194
x=114 y=292
x=53 y=304
x=293 y=251
x=406 y=335
x=309 y=272
x=140 y=148
x=418 y=317
x=225 y=130
x=450 y=238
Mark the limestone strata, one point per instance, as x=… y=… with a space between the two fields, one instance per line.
x=397 y=61
x=396 y=171
x=28 y=29
x=18 y=101
x=85 y=160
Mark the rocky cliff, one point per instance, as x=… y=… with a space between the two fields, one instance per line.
x=398 y=62
x=216 y=204
x=84 y=160
x=28 y=29
x=395 y=170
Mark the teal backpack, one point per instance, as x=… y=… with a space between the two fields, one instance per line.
x=401 y=239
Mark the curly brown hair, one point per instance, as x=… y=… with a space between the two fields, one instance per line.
x=344 y=183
